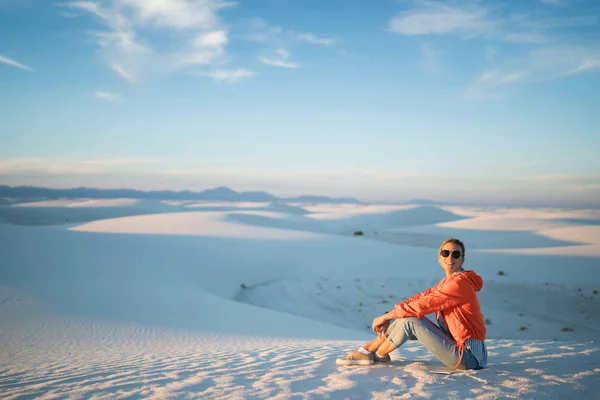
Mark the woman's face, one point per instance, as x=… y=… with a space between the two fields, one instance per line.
x=450 y=263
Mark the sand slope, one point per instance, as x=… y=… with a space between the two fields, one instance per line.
x=256 y=302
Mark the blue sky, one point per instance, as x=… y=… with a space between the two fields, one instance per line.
x=479 y=101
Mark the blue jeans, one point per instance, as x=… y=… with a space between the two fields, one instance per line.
x=433 y=338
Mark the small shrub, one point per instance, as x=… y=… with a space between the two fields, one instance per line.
x=339 y=287
x=595 y=291
x=522 y=328
x=243 y=286
x=567 y=329
x=384 y=301
x=358 y=233
x=520 y=314
x=501 y=273
x=487 y=321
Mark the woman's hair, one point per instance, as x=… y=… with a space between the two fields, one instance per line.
x=455 y=242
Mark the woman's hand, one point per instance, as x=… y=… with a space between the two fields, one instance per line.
x=380 y=324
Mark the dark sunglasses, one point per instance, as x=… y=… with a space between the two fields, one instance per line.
x=446 y=253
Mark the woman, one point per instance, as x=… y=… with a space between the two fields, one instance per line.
x=459 y=338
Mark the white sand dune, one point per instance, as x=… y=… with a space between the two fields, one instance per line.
x=579 y=229
x=257 y=302
x=206 y=223
x=52 y=203
x=73 y=211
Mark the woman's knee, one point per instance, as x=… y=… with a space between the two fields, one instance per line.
x=411 y=320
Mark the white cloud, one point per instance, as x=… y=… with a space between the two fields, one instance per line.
x=567 y=178
x=13 y=63
x=124 y=41
x=279 y=59
x=526 y=37
x=585 y=65
x=490 y=54
x=258 y=30
x=234 y=75
x=208 y=49
x=439 y=18
x=71 y=165
x=541 y=64
x=123 y=73
x=471 y=19
x=67 y=14
x=430 y=63
x=196 y=25
x=283 y=53
x=311 y=38
x=495 y=78
x=278 y=62
x=108 y=96
x=89 y=6
x=178 y=14
x=214 y=39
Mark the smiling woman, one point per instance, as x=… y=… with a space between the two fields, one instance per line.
x=459 y=338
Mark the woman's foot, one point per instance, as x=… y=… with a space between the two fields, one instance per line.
x=356 y=358
x=384 y=360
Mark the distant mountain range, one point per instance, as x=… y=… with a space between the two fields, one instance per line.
x=218 y=194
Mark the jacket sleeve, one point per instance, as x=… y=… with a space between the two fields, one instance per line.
x=447 y=295
x=419 y=295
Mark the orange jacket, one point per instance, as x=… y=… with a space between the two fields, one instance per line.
x=455 y=298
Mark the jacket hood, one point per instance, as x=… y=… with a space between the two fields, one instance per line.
x=474 y=279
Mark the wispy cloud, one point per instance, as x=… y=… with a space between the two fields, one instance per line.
x=279 y=59
x=439 y=18
x=259 y=30
x=178 y=14
x=232 y=75
x=207 y=49
x=554 y=2
x=526 y=37
x=201 y=35
x=311 y=38
x=429 y=58
x=13 y=63
x=122 y=72
x=108 y=96
x=67 y=14
x=470 y=19
x=541 y=64
x=71 y=165
x=565 y=178
x=276 y=38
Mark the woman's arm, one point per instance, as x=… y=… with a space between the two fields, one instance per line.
x=447 y=295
